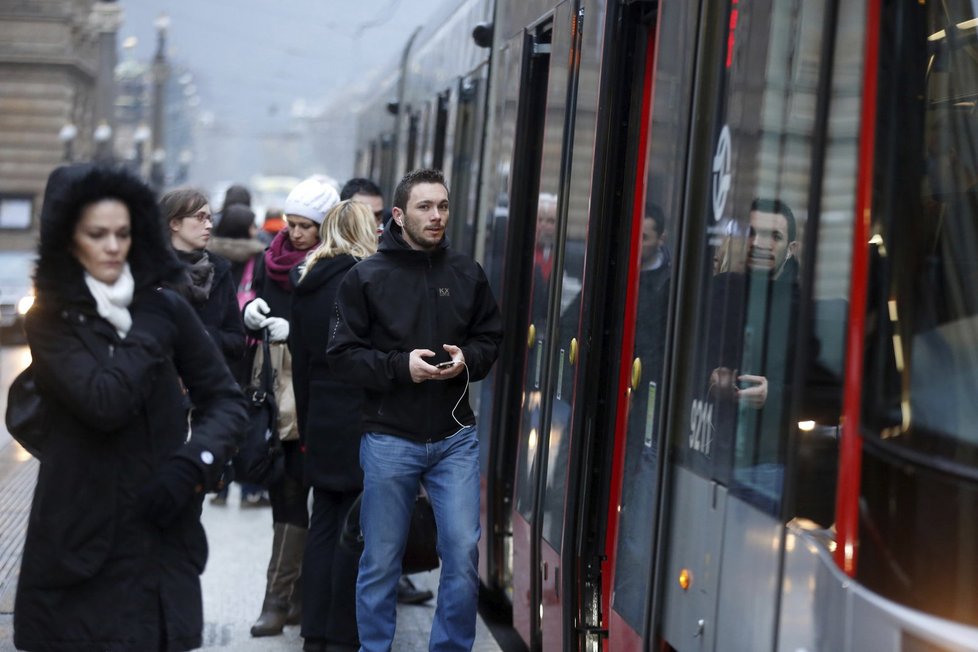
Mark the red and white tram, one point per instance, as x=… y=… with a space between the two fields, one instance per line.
x=736 y=248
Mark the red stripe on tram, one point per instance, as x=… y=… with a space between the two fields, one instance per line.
x=850 y=453
x=631 y=313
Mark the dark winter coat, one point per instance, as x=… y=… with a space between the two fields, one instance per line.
x=238 y=251
x=401 y=299
x=279 y=302
x=97 y=574
x=329 y=407
x=220 y=313
x=279 y=299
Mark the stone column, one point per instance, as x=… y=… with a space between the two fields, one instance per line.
x=105 y=19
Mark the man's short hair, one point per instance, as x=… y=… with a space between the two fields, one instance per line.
x=655 y=213
x=780 y=208
x=413 y=178
x=360 y=186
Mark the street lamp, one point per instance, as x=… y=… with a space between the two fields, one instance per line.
x=157 y=174
x=102 y=136
x=140 y=137
x=161 y=71
x=184 y=160
x=67 y=136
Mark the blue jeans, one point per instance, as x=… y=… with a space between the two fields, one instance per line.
x=393 y=467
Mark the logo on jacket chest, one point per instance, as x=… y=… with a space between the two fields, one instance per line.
x=443 y=292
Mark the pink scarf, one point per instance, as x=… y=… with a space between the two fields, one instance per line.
x=280 y=258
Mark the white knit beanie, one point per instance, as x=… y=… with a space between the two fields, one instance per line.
x=311 y=199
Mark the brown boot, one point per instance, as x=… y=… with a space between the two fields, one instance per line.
x=284 y=567
x=294 y=614
x=272 y=618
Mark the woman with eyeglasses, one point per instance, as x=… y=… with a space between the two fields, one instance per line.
x=207 y=282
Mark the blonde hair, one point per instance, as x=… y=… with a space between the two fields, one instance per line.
x=730 y=256
x=349 y=228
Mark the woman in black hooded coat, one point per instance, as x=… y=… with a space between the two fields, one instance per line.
x=328 y=410
x=114 y=546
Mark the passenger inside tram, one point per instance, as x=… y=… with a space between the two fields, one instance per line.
x=639 y=494
x=749 y=345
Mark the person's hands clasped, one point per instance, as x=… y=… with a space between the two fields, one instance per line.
x=278 y=329
x=255 y=318
x=166 y=496
x=255 y=313
x=421 y=370
x=753 y=390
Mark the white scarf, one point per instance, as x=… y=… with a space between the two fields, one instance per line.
x=112 y=301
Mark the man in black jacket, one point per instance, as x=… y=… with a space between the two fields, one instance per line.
x=416 y=322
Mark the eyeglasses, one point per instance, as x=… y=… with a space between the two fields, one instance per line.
x=200 y=216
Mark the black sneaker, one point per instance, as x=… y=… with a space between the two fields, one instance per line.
x=313 y=644
x=408 y=593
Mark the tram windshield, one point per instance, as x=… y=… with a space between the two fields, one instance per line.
x=923 y=358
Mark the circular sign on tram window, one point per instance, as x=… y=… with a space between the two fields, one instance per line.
x=721 y=173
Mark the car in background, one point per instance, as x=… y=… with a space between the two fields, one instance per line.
x=16 y=293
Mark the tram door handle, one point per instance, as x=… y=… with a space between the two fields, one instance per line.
x=700 y=626
x=546 y=569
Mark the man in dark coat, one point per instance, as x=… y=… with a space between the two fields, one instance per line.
x=114 y=544
x=416 y=322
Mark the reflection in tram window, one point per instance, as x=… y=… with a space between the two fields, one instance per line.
x=639 y=492
x=749 y=354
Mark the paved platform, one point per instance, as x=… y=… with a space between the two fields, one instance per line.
x=240 y=540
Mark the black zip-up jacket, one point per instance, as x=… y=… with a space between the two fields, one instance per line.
x=401 y=299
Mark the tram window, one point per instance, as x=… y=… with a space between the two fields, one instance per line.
x=926 y=258
x=373 y=162
x=426 y=136
x=412 y=143
x=919 y=486
x=441 y=127
x=739 y=419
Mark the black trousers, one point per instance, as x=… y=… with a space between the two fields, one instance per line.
x=289 y=497
x=329 y=572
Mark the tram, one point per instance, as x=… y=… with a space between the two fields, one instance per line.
x=735 y=244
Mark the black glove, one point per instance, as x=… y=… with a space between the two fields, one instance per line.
x=166 y=496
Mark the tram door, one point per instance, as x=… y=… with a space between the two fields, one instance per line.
x=552 y=349
x=756 y=149
x=663 y=125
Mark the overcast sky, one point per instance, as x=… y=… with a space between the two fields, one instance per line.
x=253 y=58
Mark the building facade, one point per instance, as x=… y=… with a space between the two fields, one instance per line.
x=56 y=99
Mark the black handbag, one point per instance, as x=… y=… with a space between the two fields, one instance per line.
x=26 y=416
x=421 y=552
x=260 y=459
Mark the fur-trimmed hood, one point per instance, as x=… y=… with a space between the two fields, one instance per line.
x=70 y=188
x=237 y=250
